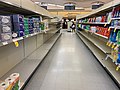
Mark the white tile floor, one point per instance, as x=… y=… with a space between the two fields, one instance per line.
x=70 y=66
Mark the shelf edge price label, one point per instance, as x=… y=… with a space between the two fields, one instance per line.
x=113 y=45
x=118 y=67
x=116 y=47
x=105 y=25
x=115 y=29
x=26 y=35
x=109 y=21
x=4 y=43
x=107 y=43
x=110 y=44
x=16 y=43
x=109 y=29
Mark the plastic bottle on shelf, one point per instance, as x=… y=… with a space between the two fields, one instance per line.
x=118 y=60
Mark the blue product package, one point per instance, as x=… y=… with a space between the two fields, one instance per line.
x=116 y=23
x=112 y=23
x=19 y=29
x=31 y=31
x=18 y=18
x=114 y=37
x=118 y=60
x=111 y=35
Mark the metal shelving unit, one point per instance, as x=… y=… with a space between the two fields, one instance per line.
x=97 y=43
x=101 y=45
x=25 y=7
x=20 y=59
x=100 y=23
x=28 y=66
x=108 y=65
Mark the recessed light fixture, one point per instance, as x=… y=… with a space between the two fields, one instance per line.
x=37 y=2
x=51 y=4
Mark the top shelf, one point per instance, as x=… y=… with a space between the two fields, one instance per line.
x=107 y=7
x=24 y=7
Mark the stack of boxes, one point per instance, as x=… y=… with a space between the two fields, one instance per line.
x=18 y=25
x=26 y=26
x=14 y=26
x=30 y=25
x=36 y=24
x=5 y=28
x=42 y=26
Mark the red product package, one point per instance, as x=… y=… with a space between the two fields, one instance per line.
x=107 y=33
x=103 y=19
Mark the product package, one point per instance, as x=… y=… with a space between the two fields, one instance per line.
x=30 y=25
x=118 y=60
x=5 y=28
x=36 y=24
x=18 y=25
x=11 y=83
x=26 y=26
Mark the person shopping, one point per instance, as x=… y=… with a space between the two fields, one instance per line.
x=73 y=27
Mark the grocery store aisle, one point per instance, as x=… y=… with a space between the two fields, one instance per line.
x=70 y=66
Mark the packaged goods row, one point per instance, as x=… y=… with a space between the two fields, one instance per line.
x=14 y=26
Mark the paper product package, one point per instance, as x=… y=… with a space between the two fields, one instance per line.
x=11 y=83
x=4 y=86
x=5 y=19
x=18 y=25
x=5 y=28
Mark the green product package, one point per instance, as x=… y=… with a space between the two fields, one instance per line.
x=16 y=86
x=42 y=26
x=118 y=37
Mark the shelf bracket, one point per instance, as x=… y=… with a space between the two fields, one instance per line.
x=106 y=58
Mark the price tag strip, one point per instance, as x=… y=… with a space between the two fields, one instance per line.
x=113 y=45
x=110 y=44
x=107 y=43
x=16 y=43
x=118 y=67
x=115 y=48
x=5 y=43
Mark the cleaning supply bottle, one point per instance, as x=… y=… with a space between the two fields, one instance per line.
x=118 y=60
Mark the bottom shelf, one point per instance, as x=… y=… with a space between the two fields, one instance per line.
x=107 y=64
x=28 y=66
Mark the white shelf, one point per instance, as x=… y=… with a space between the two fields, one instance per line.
x=102 y=23
x=107 y=6
x=24 y=7
x=28 y=66
x=101 y=45
x=115 y=18
x=96 y=34
x=117 y=27
x=107 y=64
x=26 y=36
x=101 y=35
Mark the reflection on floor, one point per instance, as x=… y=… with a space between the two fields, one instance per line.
x=70 y=66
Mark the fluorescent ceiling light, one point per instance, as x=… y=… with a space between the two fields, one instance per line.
x=79 y=8
x=37 y=2
x=8 y=2
x=59 y=6
x=51 y=4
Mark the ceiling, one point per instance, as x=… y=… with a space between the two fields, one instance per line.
x=79 y=3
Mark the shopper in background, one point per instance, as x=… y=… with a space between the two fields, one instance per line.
x=73 y=27
x=69 y=26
